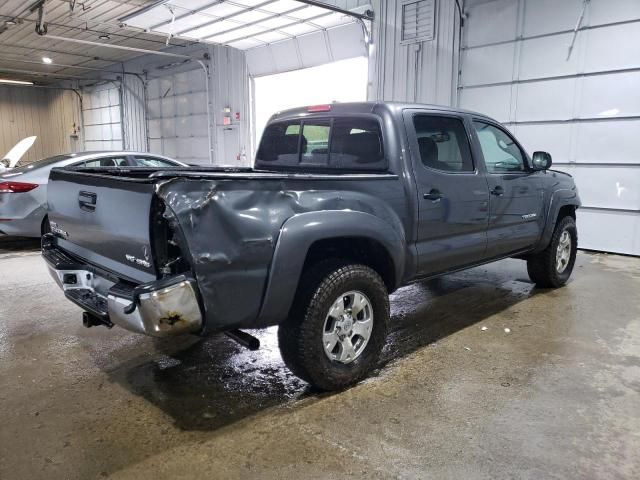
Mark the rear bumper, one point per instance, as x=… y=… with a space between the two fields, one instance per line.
x=162 y=308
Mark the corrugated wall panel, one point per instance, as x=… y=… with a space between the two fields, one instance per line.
x=47 y=113
x=64 y=116
x=175 y=117
x=423 y=72
x=230 y=88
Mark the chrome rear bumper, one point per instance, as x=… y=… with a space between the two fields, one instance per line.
x=162 y=308
x=165 y=311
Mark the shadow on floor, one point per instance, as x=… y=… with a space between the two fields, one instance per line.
x=207 y=384
x=18 y=244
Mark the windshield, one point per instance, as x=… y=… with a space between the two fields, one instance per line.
x=40 y=163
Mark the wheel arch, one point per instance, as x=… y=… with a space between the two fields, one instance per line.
x=563 y=202
x=359 y=249
x=308 y=237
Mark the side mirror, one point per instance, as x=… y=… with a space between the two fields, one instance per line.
x=541 y=160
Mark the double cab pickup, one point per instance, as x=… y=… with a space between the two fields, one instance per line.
x=345 y=204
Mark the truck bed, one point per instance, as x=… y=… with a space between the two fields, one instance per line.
x=221 y=226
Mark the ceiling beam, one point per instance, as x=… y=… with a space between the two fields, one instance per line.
x=368 y=15
x=65 y=66
x=45 y=74
x=122 y=36
x=119 y=47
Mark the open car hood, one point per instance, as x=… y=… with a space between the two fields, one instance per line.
x=14 y=155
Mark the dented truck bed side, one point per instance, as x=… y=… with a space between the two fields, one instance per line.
x=249 y=238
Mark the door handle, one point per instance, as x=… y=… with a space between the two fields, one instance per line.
x=498 y=191
x=433 y=195
x=87 y=201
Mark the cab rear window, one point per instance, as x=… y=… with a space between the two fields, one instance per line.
x=332 y=143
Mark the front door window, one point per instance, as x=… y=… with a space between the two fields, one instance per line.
x=501 y=153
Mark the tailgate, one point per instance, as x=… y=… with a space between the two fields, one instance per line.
x=104 y=220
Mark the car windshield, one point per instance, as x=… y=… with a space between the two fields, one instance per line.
x=40 y=164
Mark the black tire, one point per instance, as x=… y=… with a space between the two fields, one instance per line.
x=300 y=337
x=542 y=267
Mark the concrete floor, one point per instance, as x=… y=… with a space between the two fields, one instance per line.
x=557 y=397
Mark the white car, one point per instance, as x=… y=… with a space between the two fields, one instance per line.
x=23 y=190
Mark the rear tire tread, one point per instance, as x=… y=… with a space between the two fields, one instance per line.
x=300 y=346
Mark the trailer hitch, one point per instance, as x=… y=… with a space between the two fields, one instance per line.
x=90 y=320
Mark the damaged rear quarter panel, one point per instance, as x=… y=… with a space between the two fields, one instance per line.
x=231 y=227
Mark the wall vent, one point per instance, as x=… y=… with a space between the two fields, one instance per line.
x=418 y=21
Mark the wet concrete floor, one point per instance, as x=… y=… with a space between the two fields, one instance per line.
x=555 y=397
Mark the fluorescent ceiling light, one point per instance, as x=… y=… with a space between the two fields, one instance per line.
x=10 y=23
x=15 y=82
x=47 y=60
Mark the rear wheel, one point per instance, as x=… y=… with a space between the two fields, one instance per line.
x=552 y=267
x=337 y=326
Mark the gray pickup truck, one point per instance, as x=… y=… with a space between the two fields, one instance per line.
x=345 y=203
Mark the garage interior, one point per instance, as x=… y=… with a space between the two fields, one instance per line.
x=483 y=375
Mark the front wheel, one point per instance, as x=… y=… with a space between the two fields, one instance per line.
x=552 y=267
x=337 y=326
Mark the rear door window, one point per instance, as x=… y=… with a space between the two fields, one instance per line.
x=443 y=143
x=339 y=143
x=356 y=143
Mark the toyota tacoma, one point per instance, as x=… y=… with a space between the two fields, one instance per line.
x=345 y=204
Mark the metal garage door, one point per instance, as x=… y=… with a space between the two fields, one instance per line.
x=177 y=116
x=101 y=117
x=317 y=48
x=278 y=35
x=580 y=102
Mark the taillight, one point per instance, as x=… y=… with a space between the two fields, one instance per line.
x=16 y=187
x=319 y=108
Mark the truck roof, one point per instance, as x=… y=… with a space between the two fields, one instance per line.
x=366 y=107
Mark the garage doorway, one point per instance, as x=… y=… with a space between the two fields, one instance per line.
x=342 y=81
